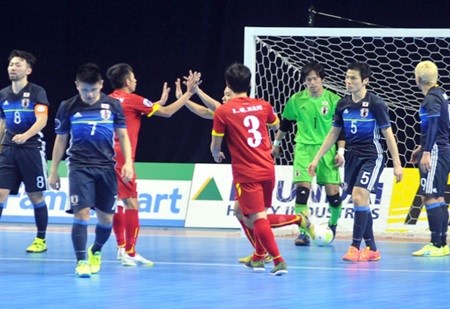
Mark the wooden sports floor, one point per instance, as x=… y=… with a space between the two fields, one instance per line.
x=199 y=269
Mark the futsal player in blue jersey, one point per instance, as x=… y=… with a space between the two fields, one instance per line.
x=90 y=119
x=361 y=116
x=23 y=114
x=433 y=156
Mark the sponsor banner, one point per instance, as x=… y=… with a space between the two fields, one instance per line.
x=212 y=199
x=163 y=197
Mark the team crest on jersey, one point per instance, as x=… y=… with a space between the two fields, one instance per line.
x=147 y=103
x=365 y=104
x=104 y=106
x=105 y=114
x=25 y=102
x=74 y=199
x=26 y=94
x=364 y=112
x=324 y=110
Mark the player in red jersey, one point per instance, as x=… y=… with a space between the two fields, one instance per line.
x=123 y=81
x=242 y=122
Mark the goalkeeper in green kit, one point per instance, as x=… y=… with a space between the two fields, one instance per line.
x=312 y=110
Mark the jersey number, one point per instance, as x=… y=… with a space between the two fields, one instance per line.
x=94 y=126
x=354 y=128
x=252 y=123
x=17 y=118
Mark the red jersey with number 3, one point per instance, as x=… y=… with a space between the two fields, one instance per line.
x=243 y=123
x=134 y=106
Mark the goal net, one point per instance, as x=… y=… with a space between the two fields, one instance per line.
x=276 y=56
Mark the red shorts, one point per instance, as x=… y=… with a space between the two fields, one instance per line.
x=126 y=190
x=255 y=196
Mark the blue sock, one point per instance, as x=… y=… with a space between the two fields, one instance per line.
x=102 y=233
x=369 y=238
x=359 y=224
x=79 y=238
x=435 y=222
x=41 y=218
x=2 y=205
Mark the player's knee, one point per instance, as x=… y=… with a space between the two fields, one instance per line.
x=334 y=200
x=301 y=195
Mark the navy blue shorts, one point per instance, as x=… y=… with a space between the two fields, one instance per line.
x=23 y=164
x=434 y=183
x=362 y=171
x=93 y=187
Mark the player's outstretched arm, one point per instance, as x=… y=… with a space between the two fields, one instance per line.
x=195 y=108
x=192 y=83
x=207 y=100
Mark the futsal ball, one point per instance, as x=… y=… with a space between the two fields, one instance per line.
x=324 y=235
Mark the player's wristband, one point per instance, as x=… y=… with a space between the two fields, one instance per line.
x=277 y=143
x=341 y=151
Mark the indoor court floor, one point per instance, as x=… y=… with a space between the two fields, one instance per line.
x=199 y=269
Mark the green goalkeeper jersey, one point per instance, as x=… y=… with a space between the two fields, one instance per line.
x=314 y=116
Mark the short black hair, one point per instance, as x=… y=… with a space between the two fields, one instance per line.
x=89 y=73
x=312 y=66
x=237 y=77
x=117 y=74
x=362 y=67
x=28 y=57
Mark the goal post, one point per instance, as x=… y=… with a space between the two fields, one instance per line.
x=275 y=57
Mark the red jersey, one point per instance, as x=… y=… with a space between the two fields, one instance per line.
x=134 y=106
x=243 y=123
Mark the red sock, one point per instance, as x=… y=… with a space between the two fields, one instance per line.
x=118 y=226
x=265 y=236
x=248 y=232
x=260 y=251
x=283 y=220
x=131 y=230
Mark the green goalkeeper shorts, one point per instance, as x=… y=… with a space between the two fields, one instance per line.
x=327 y=172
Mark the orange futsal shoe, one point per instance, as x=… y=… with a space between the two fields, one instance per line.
x=352 y=254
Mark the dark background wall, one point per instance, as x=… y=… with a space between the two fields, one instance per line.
x=163 y=39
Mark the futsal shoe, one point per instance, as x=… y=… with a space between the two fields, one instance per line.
x=352 y=254
x=267 y=258
x=38 y=246
x=95 y=260
x=135 y=260
x=257 y=266
x=368 y=255
x=446 y=250
x=280 y=269
x=83 y=270
x=307 y=226
x=302 y=240
x=430 y=250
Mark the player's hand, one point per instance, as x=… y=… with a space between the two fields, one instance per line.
x=339 y=160
x=164 y=95
x=415 y=156
x=19 y=138
x=54 y=181
x=219 y=157
x=192 y=81
x=398 y=173
x=425 y=162
x=178 y=91
x=312 y=168
x=127 y=172
x=276 y=151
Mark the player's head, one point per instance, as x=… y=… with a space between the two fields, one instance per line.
x=20 y=64
x=357 y=76
x=426 y=73
x=237 y=78
x=312 y=75
x=89 y=82
x=121 y=76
